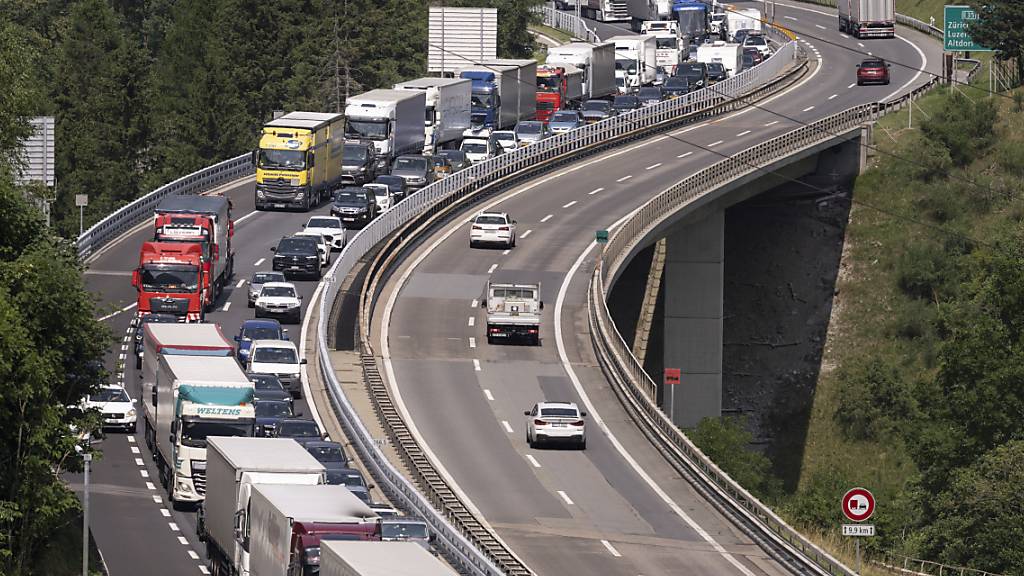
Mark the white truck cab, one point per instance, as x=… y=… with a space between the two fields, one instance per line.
x=513 y=312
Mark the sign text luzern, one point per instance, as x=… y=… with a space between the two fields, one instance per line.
x=956 y=35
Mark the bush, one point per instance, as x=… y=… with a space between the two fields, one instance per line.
x=874 y=402
x=924 y=269
x=1010 y=155
x=726 y=441
x=924 y=160
x=816 y=504
x=964 y=127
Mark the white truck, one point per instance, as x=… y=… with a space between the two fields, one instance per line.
x=287 y=524
x=233 y=467
x=867 y=18
x=668 y=45
x=513 y=312
x=186 y=399
x=391 y=119
x=597 y=61
x=447 y=109
x=642 y=11
x=340 y=558
x=729 y=55
x=742 y=19
x=636 y=61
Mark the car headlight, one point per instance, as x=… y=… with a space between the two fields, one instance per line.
x=131 y=413
x=260 y=193
x=293 y=304
x=300 y=195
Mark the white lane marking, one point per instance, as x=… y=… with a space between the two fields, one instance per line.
x=653 y=166
x=474 y=303
x=533 y=461
x=844 y=35
x=156 y=499
x=809 y=108
x=834 y=96
x=492 y=268
x=548 y=217
x=144 y=473
x=870 y=54
x=684 y=155
x=861 y=44
x=304 y=369
x=192 y=554
x=139 y=462
x=488 y=394
x=505 y=252
x=174 y=527
x=165 y=512
x=611 y=549
x=227 y=306
x=570 y=204
x=715 y=143
x=595 y=416
x=472 y=342
x=246 y=217
x=744 y=133
x=507 y=426
x=183 y=541
x=476 y=365
x=820 y=26
x=592 y=192
x=924 y=65
x=204 y=569
x=260 y=261
x=121 y=357
x=566 y=498
x=790 y=18
x=471 y=321
x=624 y=178
x=527 y=233
x=851 y=85
x=772 y=123
x=240 y=283
x=151 y=486
x=115 y=313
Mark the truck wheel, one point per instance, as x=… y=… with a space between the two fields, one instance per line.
x=490 y=340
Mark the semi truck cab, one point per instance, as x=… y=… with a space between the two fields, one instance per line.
x=170 y=280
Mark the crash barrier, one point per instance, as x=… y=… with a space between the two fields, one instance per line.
x=567 y=22
x=462 y=537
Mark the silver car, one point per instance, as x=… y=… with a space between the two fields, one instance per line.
x=565 y=121
x=416 y=170
x=531 y=131
x=257 y=282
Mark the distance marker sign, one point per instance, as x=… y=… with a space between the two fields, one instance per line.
x=858 y=504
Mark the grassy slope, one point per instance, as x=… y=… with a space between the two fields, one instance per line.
x=922 y=9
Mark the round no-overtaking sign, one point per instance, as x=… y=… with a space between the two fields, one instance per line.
x=858 y=504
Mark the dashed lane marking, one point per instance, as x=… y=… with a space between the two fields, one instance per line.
x=716 y=143
x=772 y=123
x=611 y=549
x=240 y=283
x=166 y=513
x=139 y=462
x=594 y=191
x=744 y=133
x=227 y=306
x=527 y=233
x=192 y=554
x=505 y=252
x=809 y=108
x=144 y=473
x=548 y=217
x=204 y=569
x=155 y=497
x=474 y=303
x=624 y=178
x=820 y=26
x=790 y=18
x=507 y=426
x=260 y=261
x=183 y=540
x=492 y=268
x=533 y=461
x=684 y=155
x=852 y=85
x=115 y=313
x=566 y=498
x=476 y=365
x=471 y=321
x=174 y=527
x=151 y=486
x=488 y=395
x=135 y=449
x=653 y=166
x=472 y=342
x=569 y=205
x=834 y=96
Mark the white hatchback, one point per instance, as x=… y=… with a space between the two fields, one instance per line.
x=280 y=358
x=556 y=422
x=115 y=406
x=382 y=195
x=279 y=300
x=492 y=228
x=330 y=227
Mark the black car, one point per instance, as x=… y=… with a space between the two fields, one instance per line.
x=716 y=72
x=349 y=478
x=748 y=61
x=675 y=87
x=397 y=185
x=649 y=95
x=330 y=454
x=596 y=110
x=740 y=35
x=269 y=387
x=297 y=255
x=359 y=163
x=695 y=73
x=302 y=430
x=140 y=327
x=355 y=206
x=268 y=414
x=623 y=104
x=457 y=158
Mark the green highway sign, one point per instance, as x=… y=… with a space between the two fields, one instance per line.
x=956 y=35
x=602 y=236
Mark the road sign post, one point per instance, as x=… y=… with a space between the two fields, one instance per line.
x=671 y=379
x=858 y=506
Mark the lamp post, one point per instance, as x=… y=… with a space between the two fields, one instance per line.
x=87 y=457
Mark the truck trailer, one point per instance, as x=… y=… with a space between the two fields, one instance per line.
x=298 y=160
x=503 y=92
x=203 y=220
x=287 y=524
x=558 y=88
x=603 y=10
x=192 y=388
x=742 y=19
x=233 y=467
x=513 y=312
x=447 y=109
x=340 y=558
x=597 y=61
x=868 y=18
x=729 y=55
x=170 y=280
x=641 y=11
x=391 y=119
x=636 y=61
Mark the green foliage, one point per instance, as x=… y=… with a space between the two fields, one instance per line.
x=926 y=160
x=1010 y=155
x=924 y=271
x=514 y=41
x=726 y=441
x=17 y=91
x=816 y=505
x=964 y=127
x=874 y=400
x=1001 y=26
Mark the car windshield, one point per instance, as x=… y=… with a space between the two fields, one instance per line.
x=369 y=129
x=194 y=434
x=677 y=83
x=278 y=291
x=323 y=223
x=403 y=530
x=382 y=196
x=548 y=83
x=354 y=154
x=529 y=128
x=296 y=246
x=453 y=156
x=625 y=102
x=519 y=293
x=649 y=93
x=273 y=409
x=273 y=355
x=666 y=42
x=599 y=105
x=264 y=277
x=282 y=159
x=344 y=478
x=392 y=181
x=327 y=453
x=482 y=100
x=159 y=319
x=490 y=220
x=690 y=72
x=265 y=382
x=474 y=147
x=755 y=41
x=716 y=67
x=298 y=429
x=357 y=197
x=565 y=116
x=559 y=412
x=169 y=278
x=261 y=332
x=404 y=163
x=872 y=64
x=109 y=395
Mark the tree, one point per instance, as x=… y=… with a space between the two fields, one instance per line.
x=1000 y=27
x=17 y=92
x=726 y=441
x=514 y=40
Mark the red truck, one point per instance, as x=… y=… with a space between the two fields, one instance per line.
x=170 y=280
x=204 y=220
x=558 y=88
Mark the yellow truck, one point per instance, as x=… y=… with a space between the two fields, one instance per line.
x=298 y=161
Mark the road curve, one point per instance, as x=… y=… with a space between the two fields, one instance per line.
x=617 y=508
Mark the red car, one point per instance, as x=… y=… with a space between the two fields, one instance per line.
x=873 y=71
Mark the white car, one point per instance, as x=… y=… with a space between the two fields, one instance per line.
x=493 y=228
x=279 y=300
x=556 y=422
x=323 y=245
x=382 y=194
x=507 y=139
x=478 y=149
x=257 y=282
x=277 y=357
x=330 y=227
x=759 y=42
x=116 y=407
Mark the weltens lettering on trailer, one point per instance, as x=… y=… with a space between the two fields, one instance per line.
x=218 y=411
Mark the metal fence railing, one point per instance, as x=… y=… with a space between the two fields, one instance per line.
x=567 y=22
x=915 y=567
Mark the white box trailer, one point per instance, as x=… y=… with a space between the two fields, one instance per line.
x=596 y=60
x=447 y=108
x=742 y=19
x=867 y=18
x=233 y=467
x=340 y=558
x=391 y=119
x=729 y=55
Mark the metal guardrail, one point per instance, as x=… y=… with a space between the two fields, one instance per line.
x=567 y=22
x=130 y=215
x=460 y=534
x=915 y=567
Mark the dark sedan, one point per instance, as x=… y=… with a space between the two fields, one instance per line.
x=269 y=413
x=675 y=87
x=269 y=387
x=330 y=454
x=301 y=430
